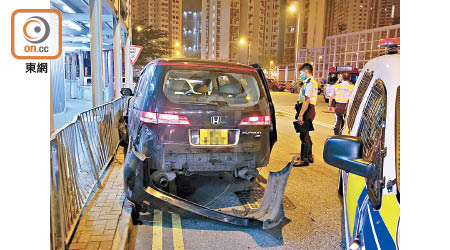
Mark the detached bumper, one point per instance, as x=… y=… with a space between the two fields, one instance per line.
x=269 y=214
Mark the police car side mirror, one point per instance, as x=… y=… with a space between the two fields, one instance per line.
x=345 y=152
x=126 y=92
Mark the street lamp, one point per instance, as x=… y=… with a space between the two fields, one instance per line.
x=242 y=42
x=293 y=8
x=177 y=44
x=139 y=28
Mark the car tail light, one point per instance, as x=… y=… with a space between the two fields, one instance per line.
x=163 y=118
x=255 y=121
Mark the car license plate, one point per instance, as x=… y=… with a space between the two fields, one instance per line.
x=213 y=136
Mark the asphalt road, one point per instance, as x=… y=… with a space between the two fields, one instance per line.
x=314 y=220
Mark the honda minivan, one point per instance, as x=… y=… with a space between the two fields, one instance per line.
x=191 y=116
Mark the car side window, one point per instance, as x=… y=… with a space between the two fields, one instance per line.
x=141 y=82
x=149 y=81
x=146 y=85
x=371 y=131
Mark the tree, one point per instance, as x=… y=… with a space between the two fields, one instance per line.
x=155 y=44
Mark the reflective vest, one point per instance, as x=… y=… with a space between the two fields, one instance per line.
x=313 y=97
x=343 y=93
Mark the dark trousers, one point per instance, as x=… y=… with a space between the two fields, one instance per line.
x=339 y=112
x=305 y=138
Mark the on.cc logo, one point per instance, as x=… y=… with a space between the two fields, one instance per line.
x=36 y=29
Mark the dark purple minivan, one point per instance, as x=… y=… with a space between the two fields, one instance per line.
x=191 y=116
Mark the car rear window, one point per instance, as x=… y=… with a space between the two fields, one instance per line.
x=211 y=87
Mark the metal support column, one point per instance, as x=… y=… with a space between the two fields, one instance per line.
x=52 y=122
x=81 y=80
x=286 y=73
x=73 y=81
x=345 y=52
x=110 y=75
x=325 y=59
x=95 y=13
x=128 y=68
x=371 y=45
x=297 y=34
x=117 y=59
x=335 y=48
x=357 y=52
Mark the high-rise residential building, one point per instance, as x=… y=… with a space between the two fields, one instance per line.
x=220 y=29
x=346 y=16
x=260 y=26
x=245 y=31
x=388 y=13
x=139 y=12
x=191 y=31
x=309 y=15
x=160 y=14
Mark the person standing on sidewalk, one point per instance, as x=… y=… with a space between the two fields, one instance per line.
x=306 y=112
x=341 y=92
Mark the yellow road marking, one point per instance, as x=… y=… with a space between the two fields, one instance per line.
x=177 y=230
x=178 y=243
x=157 y=230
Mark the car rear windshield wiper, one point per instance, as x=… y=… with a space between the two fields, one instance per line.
x=201 y=103
x=220 y=103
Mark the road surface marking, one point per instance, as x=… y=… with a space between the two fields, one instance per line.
x=323 y=124
x=157 y=230
x=177 y=230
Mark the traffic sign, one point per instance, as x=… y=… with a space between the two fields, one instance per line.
x=135 y=51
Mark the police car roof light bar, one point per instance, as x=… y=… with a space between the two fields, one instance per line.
x=389 y=42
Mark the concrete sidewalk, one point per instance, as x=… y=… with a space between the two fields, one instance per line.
x=104 y=224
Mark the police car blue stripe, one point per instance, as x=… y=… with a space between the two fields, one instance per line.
x=367 y=237
x=384 y=237
x=374 y=233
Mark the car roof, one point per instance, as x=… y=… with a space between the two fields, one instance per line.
x=202 y=61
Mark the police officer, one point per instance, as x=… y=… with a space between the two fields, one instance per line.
x=342 y=92
x=306 y=112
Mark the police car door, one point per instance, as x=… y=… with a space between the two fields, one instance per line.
x=364 y=197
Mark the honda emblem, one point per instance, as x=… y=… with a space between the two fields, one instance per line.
x=216 y=120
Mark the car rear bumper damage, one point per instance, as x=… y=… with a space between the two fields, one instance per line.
x=268 y=215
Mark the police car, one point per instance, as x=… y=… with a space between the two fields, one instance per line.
x=369 y=155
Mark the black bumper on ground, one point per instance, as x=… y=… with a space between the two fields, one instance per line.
x=269 y=214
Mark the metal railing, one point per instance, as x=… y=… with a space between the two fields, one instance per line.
x=80 y=152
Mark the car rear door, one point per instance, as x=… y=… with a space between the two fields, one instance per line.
x=273 y=125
